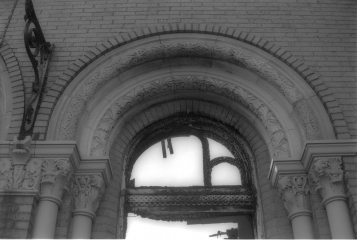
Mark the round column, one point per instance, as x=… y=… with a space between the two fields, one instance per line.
x=295 y=192
x=55 y=173
x=327 y=174
x=88 y=190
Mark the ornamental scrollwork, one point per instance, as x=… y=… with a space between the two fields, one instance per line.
x=6 y=174
x=294 y=191
x=36 y=47
x=14 y=177
x=327 y=174
x=88 y=190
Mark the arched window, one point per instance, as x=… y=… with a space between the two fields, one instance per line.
x=184 y=167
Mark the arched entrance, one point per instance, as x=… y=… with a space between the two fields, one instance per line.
x=195 y=203
x=119 y=96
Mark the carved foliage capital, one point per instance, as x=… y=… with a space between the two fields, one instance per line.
x=294 y=191
x=18 y=176
x=327 y=174
x=88 y=190
x=55 y=176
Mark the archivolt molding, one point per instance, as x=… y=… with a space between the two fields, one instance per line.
x=198 y=83
x=213 y=48
x=11 y=91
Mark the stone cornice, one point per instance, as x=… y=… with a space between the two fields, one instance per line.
x=327 y=148
x=312 y=149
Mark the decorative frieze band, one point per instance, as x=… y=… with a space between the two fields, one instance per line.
x=87 y=190
x=327 y=174
x=294 y=191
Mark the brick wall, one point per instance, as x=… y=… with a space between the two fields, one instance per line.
x=320 y=33
x=17 y=215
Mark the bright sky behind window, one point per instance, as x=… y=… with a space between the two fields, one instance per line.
x=183 y=168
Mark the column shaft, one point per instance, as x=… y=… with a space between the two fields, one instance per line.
x=82 y=227
x=45 y=221
x=302 y=227
x=339 y=220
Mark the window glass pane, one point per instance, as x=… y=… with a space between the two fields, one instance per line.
x=183 y=168
x=218 y=150
x=225 y=174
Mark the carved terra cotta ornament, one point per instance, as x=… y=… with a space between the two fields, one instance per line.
x=56 y=174
x=327 y=174
x=185 y=48
x=194 y=82
x=294 y=191
x=88 y=190
x=20 y=172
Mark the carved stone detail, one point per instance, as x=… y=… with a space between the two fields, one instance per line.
x=191 y=48
x=20 y=176
x=327 y=174
x=88 y=190
x=20 y=151
x=203 y=83
x=32 y=174
x=6 y=174
x=294 y=191
x=55 y=177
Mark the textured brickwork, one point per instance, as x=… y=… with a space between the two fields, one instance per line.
x=17 y=216
x=320 y=35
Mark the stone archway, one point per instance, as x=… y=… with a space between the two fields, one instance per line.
x=136 y=84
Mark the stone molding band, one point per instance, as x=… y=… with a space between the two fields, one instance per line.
x=339 y=197
x=52 y=198
x=84 y=212
x=293 y=215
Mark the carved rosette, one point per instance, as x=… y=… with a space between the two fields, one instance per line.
x=327 y=174
x=294 y=191
x=55 y=178
x=87 y=190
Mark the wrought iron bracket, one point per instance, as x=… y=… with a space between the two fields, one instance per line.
x=39 y=51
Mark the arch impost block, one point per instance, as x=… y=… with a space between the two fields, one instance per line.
x=280 y=168
x=96 y=165
x=327 y=148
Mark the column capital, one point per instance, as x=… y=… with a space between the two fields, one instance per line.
x=56 y=175
x=327 y=174
x=87 y=190
x=294 y=191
